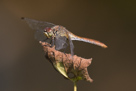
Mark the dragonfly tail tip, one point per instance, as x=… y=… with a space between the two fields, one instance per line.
x=105 y=46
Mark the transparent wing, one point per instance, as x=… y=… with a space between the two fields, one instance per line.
x=39 y=26
x=40 y=36
x=60 y=42
x=62 y=36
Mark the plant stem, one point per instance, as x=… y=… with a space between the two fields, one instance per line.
x=75 y=86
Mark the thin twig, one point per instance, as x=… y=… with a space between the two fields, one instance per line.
x=75 y=86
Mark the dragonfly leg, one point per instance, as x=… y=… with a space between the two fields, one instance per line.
x=71 y=45
x=52 y=42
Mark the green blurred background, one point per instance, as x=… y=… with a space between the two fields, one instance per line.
x=113 y=22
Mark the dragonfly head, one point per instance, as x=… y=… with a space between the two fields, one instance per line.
x=48 y=32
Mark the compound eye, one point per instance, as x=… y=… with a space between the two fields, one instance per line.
x=47 y=29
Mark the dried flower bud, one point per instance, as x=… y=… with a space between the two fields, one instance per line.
x=74 y=68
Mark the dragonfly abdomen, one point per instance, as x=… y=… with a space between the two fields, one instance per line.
x=92 y=41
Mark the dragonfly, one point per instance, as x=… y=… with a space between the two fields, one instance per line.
x=58 y=35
